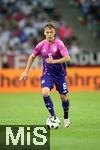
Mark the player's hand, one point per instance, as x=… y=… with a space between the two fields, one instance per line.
x=23 y=76
x=49 y=60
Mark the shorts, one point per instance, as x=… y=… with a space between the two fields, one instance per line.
x=59 y=82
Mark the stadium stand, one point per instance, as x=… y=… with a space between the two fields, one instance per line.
x=22 y=22
x=90 y=15
x=88 y=33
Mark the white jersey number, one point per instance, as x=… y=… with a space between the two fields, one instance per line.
x=50 y=56
x=64 y=86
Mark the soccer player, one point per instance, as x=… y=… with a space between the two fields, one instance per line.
x=54 y=56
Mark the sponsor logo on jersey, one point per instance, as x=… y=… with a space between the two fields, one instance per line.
x=43 y=81
x=64 y=91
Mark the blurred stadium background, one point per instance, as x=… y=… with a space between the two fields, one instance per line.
x=78 y=25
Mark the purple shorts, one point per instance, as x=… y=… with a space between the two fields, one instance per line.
x=59 y=82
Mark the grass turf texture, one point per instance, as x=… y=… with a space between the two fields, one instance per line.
x=84 y=133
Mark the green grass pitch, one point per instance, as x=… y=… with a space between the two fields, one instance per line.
x=84 y=133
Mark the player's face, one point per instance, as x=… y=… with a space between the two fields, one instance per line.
x=49 y=34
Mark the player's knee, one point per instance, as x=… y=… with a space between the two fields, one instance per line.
x=45 y=92
x=63 y=97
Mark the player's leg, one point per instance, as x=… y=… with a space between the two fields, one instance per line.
x=47 y=100
x=65 y=105
x=47 y=85
x=62 y=88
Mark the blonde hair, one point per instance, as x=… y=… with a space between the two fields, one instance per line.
x=50 y=25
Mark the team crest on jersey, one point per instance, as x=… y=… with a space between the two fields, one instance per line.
x=54 y=48
x=44 y=50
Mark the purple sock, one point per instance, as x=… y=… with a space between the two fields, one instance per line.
x=49 y=105
x=65 y=105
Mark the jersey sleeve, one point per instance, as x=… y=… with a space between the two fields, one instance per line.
x=36 y=50
x=63 y=49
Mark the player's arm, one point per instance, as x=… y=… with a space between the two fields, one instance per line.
x=28 y=66
x=64 y=59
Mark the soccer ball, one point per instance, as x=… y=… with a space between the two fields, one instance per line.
x=53 y=123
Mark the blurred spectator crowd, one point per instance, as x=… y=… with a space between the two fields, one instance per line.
x=90 y=14
x=22 y=22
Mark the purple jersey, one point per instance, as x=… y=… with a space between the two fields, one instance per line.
x=55 y=50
